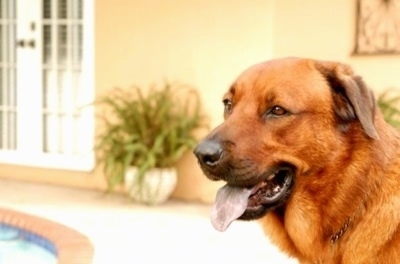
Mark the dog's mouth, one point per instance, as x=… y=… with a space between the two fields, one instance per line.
x=249 y=203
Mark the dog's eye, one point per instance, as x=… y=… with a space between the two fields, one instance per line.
x=228 y=106
x=277 y=111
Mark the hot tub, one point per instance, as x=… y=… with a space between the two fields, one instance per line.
x=30 y=239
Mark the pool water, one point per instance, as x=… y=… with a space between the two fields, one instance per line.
x=19 y=246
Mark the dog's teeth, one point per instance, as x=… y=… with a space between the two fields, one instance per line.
x=270 y=177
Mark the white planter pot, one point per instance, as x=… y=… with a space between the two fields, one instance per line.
x=156 y=187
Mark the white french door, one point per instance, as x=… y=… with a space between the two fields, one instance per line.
x=46 y=83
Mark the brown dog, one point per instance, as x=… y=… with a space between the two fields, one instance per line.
x=304 y=149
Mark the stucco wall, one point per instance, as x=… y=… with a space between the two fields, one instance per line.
x=326 y=30
x=204 y=43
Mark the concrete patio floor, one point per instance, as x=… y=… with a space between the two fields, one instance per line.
x=123 y=232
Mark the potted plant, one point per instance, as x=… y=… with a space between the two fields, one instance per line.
x=389 y=103
x=145 y=134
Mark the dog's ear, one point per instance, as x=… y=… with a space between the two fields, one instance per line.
x=351 y=96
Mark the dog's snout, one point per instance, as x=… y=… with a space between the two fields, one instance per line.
x=208 y=152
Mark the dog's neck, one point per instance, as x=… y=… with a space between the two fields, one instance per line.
x=350 y=220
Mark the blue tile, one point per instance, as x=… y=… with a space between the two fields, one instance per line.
x=10 y=232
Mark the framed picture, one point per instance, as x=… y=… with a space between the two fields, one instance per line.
x=377 y=27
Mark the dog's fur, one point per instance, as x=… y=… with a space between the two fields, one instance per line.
x=346 y=159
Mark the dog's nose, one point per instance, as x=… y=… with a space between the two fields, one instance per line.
x=208 y=152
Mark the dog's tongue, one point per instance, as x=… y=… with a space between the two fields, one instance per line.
x=230 y=204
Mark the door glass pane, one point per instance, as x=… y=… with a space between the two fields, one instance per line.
x=47 y=45
x=77 y=10
x=62 y=44
x=46 y=8
x=62 y=68
x=62 y=9
x=8 y=71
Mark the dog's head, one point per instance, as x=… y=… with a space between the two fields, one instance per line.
x=284 y=119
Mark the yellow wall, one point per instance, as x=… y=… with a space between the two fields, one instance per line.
x=204 y=43
x=207 y=43
x=326 y=30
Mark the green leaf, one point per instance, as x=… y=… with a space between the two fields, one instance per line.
x=388 y=102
